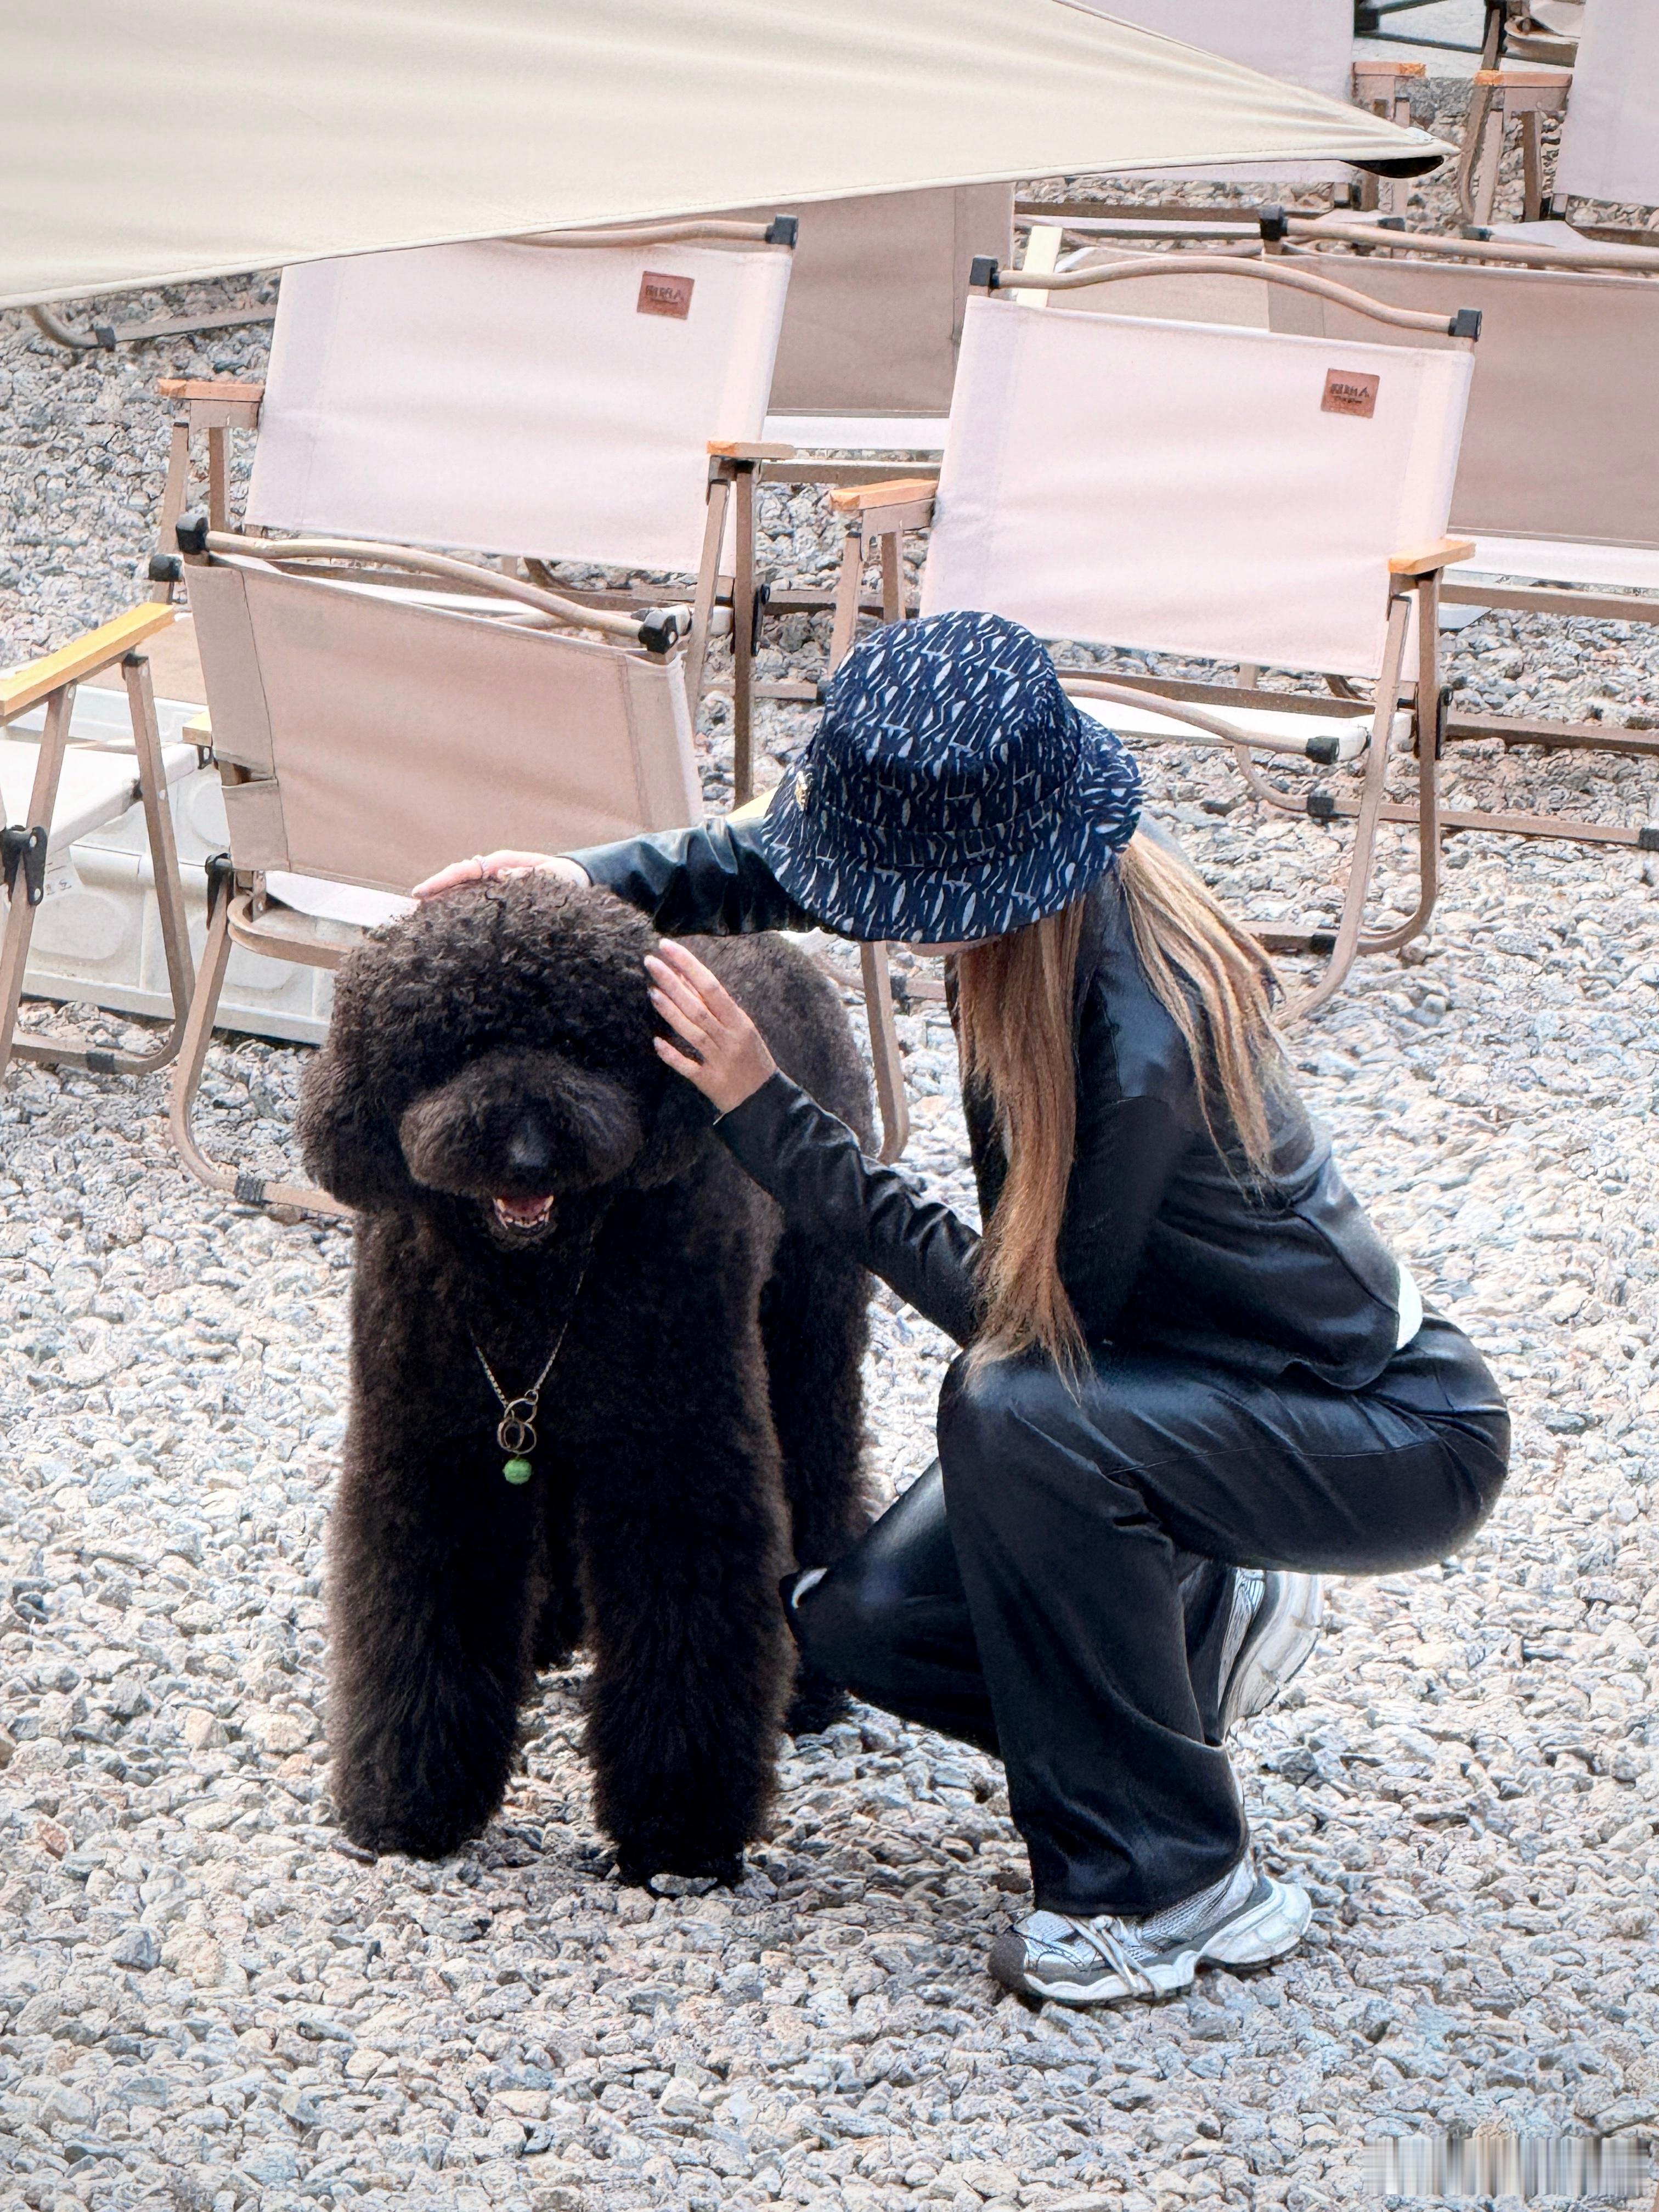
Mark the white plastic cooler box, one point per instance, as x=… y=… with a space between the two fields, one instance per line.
x=98 y=937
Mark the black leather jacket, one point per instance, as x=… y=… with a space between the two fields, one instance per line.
x=1163 y=1247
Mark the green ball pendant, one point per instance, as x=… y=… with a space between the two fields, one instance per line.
x=518 y=1471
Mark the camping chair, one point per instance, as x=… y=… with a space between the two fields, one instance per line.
x=1496 y=99
x=1566 y=523
x=866 y=363
x=1215 y=491
x=1608 y=101
x=57 y=789
x=370 y=720
x=1560 y=532
x=375 y=710
x=401 y=387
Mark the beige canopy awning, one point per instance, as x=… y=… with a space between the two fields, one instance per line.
x=148 y=142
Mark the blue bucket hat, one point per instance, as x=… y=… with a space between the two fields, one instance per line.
x=951 y=790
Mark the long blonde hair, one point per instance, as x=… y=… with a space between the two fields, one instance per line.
x=1014 y=1022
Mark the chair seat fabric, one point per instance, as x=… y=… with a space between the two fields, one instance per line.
x=95 y=788
x=1564 y=561
x=328 y=901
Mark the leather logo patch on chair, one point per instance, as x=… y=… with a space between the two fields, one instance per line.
x=1348 y=392
x=667 y=296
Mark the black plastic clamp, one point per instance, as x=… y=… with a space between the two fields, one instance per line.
x=249 y=1190
x=25 y=849
x=1321 y=940
x=1326 y=751
x=783 y=230
x=1389 y=222
x=101 y=1063
x=984 y=273
x=1322 y=807
x=165 y=568
x=221 y=872
x=757 y=613
x=1647 y=840
x=662 y=629
x=105 y=334
x=1275 y=224
x=191 y=531
x=1465 y=323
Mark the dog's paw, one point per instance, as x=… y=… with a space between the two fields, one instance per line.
x=380 y=1834
x=693 y=1875
x=818 y=1704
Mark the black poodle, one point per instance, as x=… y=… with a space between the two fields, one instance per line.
x=543 y=1204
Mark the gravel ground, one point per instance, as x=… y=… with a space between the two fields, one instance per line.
x=206 y=2000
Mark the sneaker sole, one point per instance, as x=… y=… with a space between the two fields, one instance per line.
x=1280 y=1643
x=1266 y=1929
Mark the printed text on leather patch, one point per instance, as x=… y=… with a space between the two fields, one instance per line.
x=671 y=296
x=1348 y=391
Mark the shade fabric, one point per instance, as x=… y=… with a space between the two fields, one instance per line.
x=151 y=141
x=1178 y=488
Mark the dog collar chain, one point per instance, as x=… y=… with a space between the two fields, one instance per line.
x=515 y=1432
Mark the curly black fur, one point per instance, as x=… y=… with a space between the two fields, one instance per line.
x=703 y=1421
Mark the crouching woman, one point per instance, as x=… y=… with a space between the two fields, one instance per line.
x=1194 y=1379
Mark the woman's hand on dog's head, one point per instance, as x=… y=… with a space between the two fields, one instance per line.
x=483 y=865
x=729 y=1061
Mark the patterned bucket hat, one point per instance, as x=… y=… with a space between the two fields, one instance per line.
x=951 y=791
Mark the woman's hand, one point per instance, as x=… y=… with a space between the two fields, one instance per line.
x=483 y=865
x=731 y=1061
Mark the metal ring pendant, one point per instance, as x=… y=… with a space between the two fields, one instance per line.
x=515 y=1436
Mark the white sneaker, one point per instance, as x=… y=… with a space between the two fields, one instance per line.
x=1243 y=1920
x=1274 y=1627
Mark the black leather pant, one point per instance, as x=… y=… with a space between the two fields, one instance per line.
x=1058 y=1594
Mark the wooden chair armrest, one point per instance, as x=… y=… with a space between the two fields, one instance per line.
x=896 y=491
x=1375 y=69
x=737 y=449
x=1553 y=80
x=1423 y=560
x=25 y=687
x=209 y=387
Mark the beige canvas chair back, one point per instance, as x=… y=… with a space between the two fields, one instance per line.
x=517 y=398
x=1562 y=440
x=1610 y=134
x=874 y=314
x=1183 y=488
x=379 y=736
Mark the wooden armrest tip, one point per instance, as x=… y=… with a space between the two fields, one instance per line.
x=1438 y=553
x=749 y=449
x=893 y=491
x=209 y=387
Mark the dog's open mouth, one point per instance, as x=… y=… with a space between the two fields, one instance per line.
x=524 y=1216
